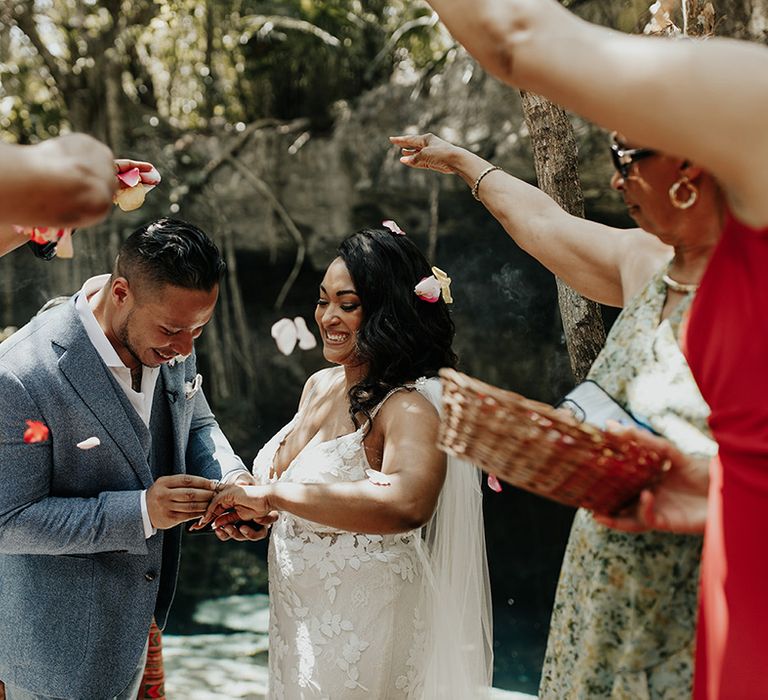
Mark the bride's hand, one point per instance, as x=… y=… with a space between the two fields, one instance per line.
x=235 y=504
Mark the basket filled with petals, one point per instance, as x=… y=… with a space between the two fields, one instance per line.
x=542 y=449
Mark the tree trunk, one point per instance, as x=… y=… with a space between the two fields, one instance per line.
x=554 y=155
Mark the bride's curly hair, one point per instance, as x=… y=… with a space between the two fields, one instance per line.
x=401 y=337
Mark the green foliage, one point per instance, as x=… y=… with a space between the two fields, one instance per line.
x=121 y=68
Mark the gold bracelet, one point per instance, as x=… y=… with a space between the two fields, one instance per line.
x=476 y=186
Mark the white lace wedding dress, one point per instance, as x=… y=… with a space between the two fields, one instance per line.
x=352 y=615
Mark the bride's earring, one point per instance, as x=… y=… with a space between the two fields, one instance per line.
x=693 y=193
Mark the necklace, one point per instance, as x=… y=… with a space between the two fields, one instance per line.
x=679 y=287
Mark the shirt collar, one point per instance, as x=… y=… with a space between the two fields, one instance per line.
x=93 y=288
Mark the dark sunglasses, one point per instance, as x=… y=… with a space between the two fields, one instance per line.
x=624 y=157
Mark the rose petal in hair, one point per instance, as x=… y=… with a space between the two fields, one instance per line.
x=392 y=226
x=428 y=289
x=445 y=284
x=493 y=483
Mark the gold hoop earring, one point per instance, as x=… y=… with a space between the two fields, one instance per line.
x=693 y=193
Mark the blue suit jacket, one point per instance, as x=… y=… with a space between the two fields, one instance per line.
x=79 y=582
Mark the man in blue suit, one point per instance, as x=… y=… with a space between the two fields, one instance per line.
x=129 y=450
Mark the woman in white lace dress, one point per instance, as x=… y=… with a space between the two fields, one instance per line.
x=377 y=571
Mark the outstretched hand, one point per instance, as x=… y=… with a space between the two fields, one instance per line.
x=427 y=151
x=677 y=503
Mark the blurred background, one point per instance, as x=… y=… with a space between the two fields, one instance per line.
x=268 y=122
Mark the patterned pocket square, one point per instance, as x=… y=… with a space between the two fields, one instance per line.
x=191 y=388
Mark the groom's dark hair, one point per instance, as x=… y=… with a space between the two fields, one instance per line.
x=402 y=337
x=170 y=251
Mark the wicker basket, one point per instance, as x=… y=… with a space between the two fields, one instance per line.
x=531 y=445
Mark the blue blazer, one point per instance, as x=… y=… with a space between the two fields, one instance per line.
x=79 y=583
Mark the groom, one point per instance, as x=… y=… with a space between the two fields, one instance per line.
x=123 y=448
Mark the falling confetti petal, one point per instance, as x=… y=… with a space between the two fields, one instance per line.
x=36 y=431
x=89 y=444
x=287 y=333
x=493 y=483
x=307 y=341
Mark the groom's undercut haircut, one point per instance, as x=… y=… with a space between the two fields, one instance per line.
x=170 y=251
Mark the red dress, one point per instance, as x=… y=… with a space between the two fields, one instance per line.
x=727 y=347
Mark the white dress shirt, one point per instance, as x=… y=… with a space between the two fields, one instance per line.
x=85 y=301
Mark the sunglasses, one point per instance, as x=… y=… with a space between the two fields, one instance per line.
x=624 y=157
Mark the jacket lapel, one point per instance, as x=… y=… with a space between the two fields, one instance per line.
x=92 y=382
x=172 y=380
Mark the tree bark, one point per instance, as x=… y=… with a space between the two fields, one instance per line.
x=555 y=158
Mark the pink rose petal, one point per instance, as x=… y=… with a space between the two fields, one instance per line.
x=428 y=289
x=130 y=178
x=392 y=226
x=493 y=483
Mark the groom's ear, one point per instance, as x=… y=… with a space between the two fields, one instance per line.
x=120 y=290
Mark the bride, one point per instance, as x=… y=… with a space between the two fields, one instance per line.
x=377 y=572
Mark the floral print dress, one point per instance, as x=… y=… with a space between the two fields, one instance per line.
x=345 y=608
x=624 y=618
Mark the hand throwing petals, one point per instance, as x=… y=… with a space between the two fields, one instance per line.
x=307 y=341
x=428 y=289
x=493 y=483
x=89 y=444
x=392 y=226
x=36 y=431
x=285 y=335
x=378 y=478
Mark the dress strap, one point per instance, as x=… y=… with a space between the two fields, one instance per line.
x=389 y=393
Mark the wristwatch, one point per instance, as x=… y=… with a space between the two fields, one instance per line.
x=44 y=251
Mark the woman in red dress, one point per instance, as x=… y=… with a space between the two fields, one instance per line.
x=707 y=102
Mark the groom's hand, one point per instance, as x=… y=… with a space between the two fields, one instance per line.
x=175 y=499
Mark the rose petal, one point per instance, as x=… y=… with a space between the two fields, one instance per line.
x=307 y=341
x=130 y=198
x=428 y=289
x=36 y=431
x=493 y=483
x=89 y=444
x=285 y=334
x=392 y=226
x=130 y=178
x=378 y=478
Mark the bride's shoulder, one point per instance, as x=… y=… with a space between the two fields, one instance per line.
x=318 y=382
x=417 y=400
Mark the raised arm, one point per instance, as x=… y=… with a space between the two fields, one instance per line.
x=63 y=182
x=602 y=263
x=703 y=100
x=411 y=464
